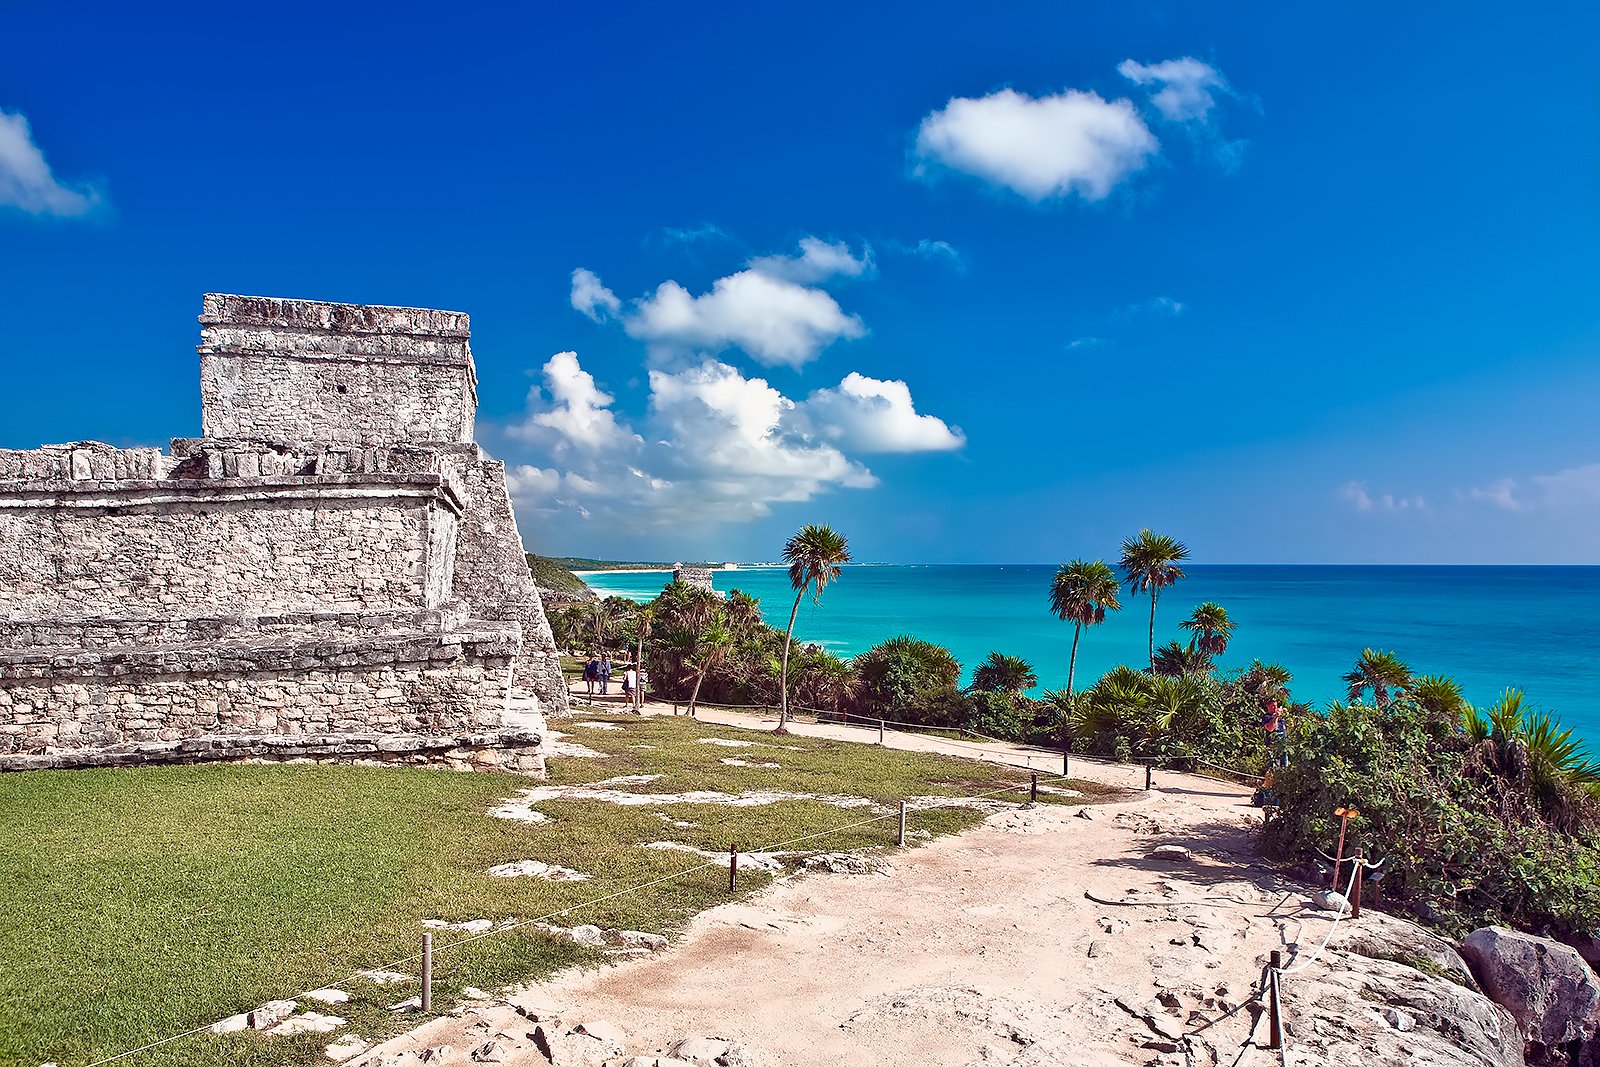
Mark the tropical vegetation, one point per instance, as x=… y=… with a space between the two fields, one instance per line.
x=1478 y=813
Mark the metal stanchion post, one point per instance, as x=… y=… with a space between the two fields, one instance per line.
x=733 y=868
x=1275 y=1024
x=427 y=972
x=902 y=824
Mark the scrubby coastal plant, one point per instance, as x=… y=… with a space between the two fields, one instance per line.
x=1491 y=820
x=1150 y=563
x=1384 y=674
x=1011 y=675
x=1173 y=660
x=908 y=678
x=1081 y=593
x=815 y=555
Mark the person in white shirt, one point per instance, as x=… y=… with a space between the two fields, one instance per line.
x=630 y=679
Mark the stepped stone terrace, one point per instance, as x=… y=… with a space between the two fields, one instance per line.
x=332 y=571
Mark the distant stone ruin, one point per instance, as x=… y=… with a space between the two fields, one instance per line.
x=695 y=577
x=331 y=572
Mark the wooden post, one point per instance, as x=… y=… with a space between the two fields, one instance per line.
x=1147 y=778
x=733 y=868
x=1033 y=790
x=427 y=972
x=1064 y=771
x=902 y=824
x=1361 y=867
x=1275 y=1020
x=880 y=732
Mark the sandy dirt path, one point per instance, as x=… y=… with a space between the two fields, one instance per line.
x=981 y=948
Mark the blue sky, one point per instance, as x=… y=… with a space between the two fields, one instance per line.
x=1294 y=284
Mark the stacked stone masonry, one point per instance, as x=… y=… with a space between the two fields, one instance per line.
x=332 y=572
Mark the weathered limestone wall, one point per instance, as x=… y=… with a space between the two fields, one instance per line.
x=492 y=577
x=332 y=572
x=226 y=546
x=301 y=370
x=419 y=683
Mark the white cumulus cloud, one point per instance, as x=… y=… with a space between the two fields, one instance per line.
x=592 y=298
x=1183 y=88
x=870 y=415
x=578 y=413
x=817 y=261
x=26 y=181
x=713 y=446
x=778 y=322
x=1071 y=143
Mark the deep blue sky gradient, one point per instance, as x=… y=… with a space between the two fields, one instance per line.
x=1394 y=285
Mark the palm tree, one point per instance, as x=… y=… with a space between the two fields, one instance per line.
x=1150 y=564
x=1381 y=672
x=706 y=650
x=1011 y=675
x=815 y=556
x=1266 y=681
x=1209 y=629
x=642 y=621
x=743 y=612
x=1081 y=593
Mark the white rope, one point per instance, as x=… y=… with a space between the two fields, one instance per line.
x=1355 y=870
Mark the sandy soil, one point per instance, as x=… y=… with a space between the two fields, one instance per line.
x=981 y=948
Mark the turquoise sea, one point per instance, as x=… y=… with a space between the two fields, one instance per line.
x=1534 y=628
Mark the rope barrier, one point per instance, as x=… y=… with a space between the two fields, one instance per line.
x=1340 y=914
x=562 y=912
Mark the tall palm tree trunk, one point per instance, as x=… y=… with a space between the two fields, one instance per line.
x=638 y=674
x=783 y=676
x=1072 y=664
x=694 y=694
x=1152 y=629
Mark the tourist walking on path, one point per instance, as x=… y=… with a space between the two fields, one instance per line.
x=630 y=679
x=591 y=672
x=605 y=674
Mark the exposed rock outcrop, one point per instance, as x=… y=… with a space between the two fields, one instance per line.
x=1547 y=987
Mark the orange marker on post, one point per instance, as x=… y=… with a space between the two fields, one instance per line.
x=1345 y=815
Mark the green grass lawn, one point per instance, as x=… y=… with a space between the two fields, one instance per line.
x=139 y=903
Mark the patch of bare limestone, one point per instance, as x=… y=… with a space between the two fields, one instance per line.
x=556 y=744
x=537 y=869
x=728 y=742
x=521 y=807
x=521 y=1029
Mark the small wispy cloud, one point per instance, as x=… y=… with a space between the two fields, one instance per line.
x=933 y=251
x=817 y=261
x=1183 y=90
x=705 y=232
x=1157 y=306
x=26 y=181
x=1087 y=342
x=1568 y=488
x=1360 y=498
x=591 y=297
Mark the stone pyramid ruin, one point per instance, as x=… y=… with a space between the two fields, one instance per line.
x=332 y=571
